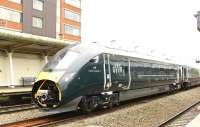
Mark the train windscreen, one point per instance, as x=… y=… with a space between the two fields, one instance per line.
x=61 y=61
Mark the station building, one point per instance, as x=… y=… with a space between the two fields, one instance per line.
x=31 y=31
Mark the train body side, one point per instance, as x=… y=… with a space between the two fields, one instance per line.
x=131 y=77
x=136 y=77
x=100 y=78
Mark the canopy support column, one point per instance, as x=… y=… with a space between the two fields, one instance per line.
x=46 y=59
x=11 y=72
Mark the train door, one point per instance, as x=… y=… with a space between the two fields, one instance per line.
x=120 y=71
x=184 y=73
x=129 y=72
x=180 y=74
x=177 y=74
x=107 y=72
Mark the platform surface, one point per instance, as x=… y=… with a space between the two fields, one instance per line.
x=7 y=90
x=195 y=122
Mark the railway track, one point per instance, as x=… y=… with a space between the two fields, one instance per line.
x=45 y=120
x=182 y=118
x=72 y=116
x=16 y=108
x=56 y=119
x=69 y=117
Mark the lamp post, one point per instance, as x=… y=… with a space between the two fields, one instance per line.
x=135 y=48
x=197 y=16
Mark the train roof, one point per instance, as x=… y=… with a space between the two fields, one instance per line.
x=96 y=48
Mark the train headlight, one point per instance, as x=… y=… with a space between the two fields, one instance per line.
x=43 y=95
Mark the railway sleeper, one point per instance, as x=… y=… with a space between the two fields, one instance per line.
x=104 y=100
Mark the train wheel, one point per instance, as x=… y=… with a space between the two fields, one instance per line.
x=114 y=100
x=88 y=104
x=184 y=86
x=111 y=101
x=172 y=88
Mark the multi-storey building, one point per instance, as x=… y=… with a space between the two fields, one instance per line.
x=23 y=55
x=59 y=19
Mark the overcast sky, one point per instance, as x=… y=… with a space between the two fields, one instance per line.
x=165 y=26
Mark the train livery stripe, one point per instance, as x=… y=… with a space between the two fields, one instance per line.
x=59 y=91
x=155 y=75
x=36 y=94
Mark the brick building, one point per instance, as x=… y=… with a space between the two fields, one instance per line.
x=31 y=31
x=60 y=19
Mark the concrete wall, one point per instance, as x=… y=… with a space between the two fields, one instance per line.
x=24 y=65
x=4 y=70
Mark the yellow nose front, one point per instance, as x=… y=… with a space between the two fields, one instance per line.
x=53 y=76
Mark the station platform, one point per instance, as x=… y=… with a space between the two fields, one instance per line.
x=195 y=122
x=15 y=90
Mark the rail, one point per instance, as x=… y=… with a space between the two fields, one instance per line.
x=16 y=108
x=163 y=124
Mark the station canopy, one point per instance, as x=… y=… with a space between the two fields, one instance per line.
x=11 y=41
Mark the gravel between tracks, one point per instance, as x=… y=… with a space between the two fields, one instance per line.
x=134 y=114
x=21 y=115
x=148 y=114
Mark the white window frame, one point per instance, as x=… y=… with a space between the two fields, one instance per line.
x=13 y=16
x=37 y=24
x=16 y=1
x=3 y=13
x=68 y=14
x=74 y=3
x=72 y=30
x=10 y=15
x=37 y=6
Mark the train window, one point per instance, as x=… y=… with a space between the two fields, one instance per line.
x=155 y=66
x=95 y=59
x=61 y=61
x=145 y=64
x=126 y=69
x=67 y=60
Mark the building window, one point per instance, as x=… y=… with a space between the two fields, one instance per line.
x=10 y=15
x=3 y=13
x=71 y=30
x=37 y=22
x=76 y=3
x=71 y=15
x=14 y=16
x=16 y=1
x=38 y=5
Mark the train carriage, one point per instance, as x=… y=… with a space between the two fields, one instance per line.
x=87 y=76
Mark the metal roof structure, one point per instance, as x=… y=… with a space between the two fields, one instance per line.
x=11 y=41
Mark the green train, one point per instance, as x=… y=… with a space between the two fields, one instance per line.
x=90 y=76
